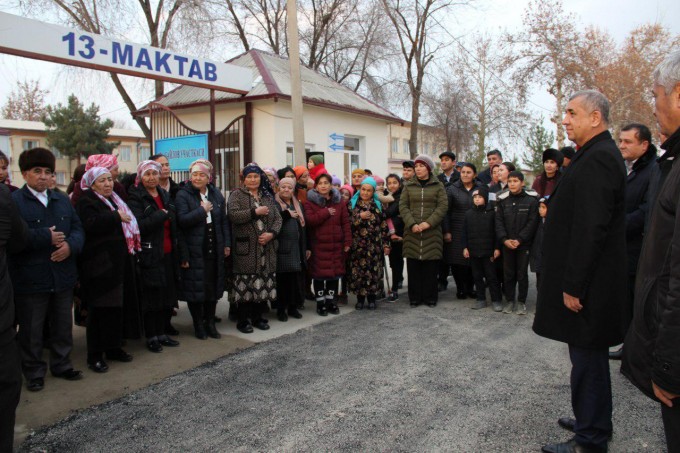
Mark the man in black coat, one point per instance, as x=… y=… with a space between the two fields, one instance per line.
x=449 y=174
x=13 y=238
x=651 y=356
x=493 y=157
x=639 y=155
x=583 y=283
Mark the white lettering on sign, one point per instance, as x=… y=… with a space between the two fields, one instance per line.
x=39 y=40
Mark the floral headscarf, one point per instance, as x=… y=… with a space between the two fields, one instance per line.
x=108 y=161
x=145 y=166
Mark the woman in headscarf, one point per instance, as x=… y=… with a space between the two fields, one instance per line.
x=330 y=236
x=358 y=175
x=422 y=206
x=302 y=177
x=292 y=254
x=205 y=230
x=108 y=161
x=273 y=178
x=160 y=255
x=107 y=268
x=256 y=223
x=370 y=241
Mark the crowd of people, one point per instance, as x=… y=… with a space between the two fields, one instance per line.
x=127 y=251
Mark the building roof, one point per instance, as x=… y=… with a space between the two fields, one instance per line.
x=40 y=127
x=271 y=81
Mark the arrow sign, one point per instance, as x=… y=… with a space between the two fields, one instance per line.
x=336 y=142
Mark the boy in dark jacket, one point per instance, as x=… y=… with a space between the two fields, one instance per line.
x=537 y=245
x=516 y=223
x=481 y=248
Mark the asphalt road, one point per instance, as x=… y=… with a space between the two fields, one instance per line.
x=398 y=379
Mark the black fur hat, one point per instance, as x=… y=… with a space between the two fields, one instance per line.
x=36 y=157
x=553 y=154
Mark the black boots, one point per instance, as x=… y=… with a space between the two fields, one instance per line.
x=197 y=314
x=321 y=308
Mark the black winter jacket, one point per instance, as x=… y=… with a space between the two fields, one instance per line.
x=151 y=222
x=455 y=176
x=652 y=351
x=536 y=255
x=13 y=238
x=291 y=254
x=637 y=184
x=517 y=218
x=479 y=232
x=460 y=201
x=191 y=218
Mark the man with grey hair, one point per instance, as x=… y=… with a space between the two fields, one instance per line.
x=583 y=280
x=651 y=356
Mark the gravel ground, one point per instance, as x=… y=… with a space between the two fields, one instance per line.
x=397 y=379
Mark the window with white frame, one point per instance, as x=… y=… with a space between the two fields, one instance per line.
x=290 y=159
x=407 y=147
x=144 y=153
x=395 y=146
x=28 y=144
x=124 y=153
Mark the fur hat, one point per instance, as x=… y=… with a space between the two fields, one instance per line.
x=568 y=152
x=553 y=154
x=516 y=174
x=425 y=160
x=36 y=157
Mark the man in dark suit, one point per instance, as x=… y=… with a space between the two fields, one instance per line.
x=639 y=154
x=583 y=280
x=13 y=238
x=449 y=174
x=651 y=355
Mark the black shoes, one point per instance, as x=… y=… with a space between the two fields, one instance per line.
x=199 y=331
x=35 y=384
x=282 y=316
x=170 y=330
x=616 y=355
x=414 y=303
x=244 y=327
x=98 y=366
x=69 y=375
x=168 y=342
x=460 y=295
x=332 y=309
x=119 y=355
x=154 y=345
x=569 y=423
x=432 y=303
x=293 y=313
x=570 y=446
x=321 y=310
x=261 y=324
x=394 y=296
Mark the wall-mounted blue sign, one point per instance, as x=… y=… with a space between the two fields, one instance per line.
x=182 y=151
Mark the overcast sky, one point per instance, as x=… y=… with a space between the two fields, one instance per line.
x=618 y=17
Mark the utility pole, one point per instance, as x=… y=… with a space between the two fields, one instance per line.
x=299 y=155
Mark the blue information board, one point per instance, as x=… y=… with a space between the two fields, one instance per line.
x=182 y=151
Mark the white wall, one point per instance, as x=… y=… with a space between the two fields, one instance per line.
x=273 y=130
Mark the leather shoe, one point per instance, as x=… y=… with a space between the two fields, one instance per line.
x=460 y=295
x=570 y=446
x=244 y=327
x=261 y=324
x=170 y=330
x=616 y=355
x=282 y=316
x=69 y=375
x=211 y=330
x=154 y=346
x=293 y=313
x=35 y=384
x=168 y=342
x=119 y=355
x=569 y=423
x=98 y=367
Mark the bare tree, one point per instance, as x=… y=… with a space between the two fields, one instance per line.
x=258 y=22
x=494 y=101
x=26 y=102
x=547 y=52
x=161 y=21
x=414 y=23
x=447 y=109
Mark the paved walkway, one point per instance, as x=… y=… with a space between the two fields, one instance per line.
x=400 y=378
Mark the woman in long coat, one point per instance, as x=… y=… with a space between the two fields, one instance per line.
x=107 y=269
x=205 y=230
x=460 y=201
x=256 y=223
x=160 y=256
x=330 y=238
x=291 y=260
x=370 y=241
x=423 y=206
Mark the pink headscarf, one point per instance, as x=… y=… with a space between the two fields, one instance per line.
x=145 y=166
x=108 y=161
x=348 y=188
x=131 y=229
x=202 y=165
x=296 y=204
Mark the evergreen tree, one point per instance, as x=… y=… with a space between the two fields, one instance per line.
x=538 y=140
x=78 y=132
